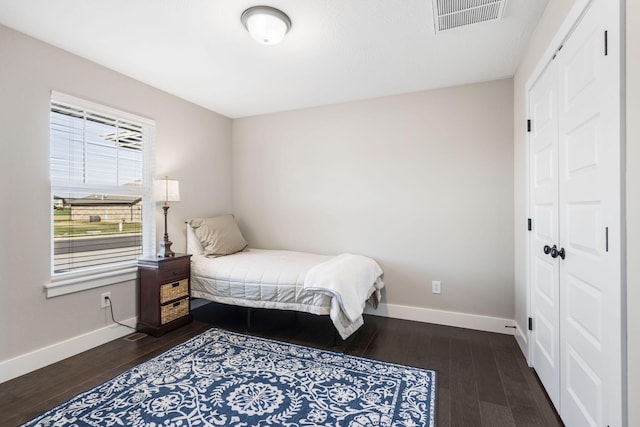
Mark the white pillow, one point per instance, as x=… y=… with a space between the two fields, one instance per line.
x=219 y=235
x=194 y=247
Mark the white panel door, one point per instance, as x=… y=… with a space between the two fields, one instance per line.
x=589 y=211
x=545 y=304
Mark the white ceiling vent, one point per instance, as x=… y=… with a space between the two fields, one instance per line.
x=449 y=14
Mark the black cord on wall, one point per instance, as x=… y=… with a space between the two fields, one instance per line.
x=113 y=318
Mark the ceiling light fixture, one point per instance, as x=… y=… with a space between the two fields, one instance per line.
x=267 y=25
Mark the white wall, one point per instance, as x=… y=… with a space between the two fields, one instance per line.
x=193 y=145
x=421 y=182
x=633 y=207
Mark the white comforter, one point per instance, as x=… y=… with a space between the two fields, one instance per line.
x=318 y=284
x=350 y=280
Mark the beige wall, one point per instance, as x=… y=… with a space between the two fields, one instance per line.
x=633 y=207
x=193 y=145
x=420 y=182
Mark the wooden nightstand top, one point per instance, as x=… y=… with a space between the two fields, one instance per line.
x=153 y=261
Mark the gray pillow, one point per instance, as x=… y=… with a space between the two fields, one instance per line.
x=219 y=235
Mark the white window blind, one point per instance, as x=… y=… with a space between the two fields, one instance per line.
x=101 y=170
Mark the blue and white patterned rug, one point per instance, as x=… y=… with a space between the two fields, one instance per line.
x=221 y=378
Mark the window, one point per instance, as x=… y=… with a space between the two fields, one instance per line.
x=101 y=177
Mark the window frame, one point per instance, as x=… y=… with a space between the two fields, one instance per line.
x=117 y=272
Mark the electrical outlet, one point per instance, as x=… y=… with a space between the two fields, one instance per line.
x=105 y=300
x=435 y=287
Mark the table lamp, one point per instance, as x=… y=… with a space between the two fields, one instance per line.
x=166 y=190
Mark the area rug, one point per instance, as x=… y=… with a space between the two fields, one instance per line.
x=220 y=378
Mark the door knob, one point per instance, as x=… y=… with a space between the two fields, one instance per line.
x=555 y=253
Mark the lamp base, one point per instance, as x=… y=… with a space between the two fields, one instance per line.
x=165 y=249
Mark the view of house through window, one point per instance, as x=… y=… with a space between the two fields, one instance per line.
x=90 y=230
x=99 y=184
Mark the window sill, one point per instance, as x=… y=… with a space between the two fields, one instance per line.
x=68 y=283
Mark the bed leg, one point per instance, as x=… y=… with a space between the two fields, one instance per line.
x=248 y=318
x=336 y=335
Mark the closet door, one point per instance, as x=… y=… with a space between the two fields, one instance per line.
x=545 y=276
x=589 y=213
x=575 y=178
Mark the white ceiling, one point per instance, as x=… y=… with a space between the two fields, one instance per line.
x=336 y=51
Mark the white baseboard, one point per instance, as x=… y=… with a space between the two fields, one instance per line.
x=42 y=357
x=449 y=318
x=522 y=340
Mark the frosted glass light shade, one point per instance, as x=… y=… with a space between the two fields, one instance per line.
x=266 y=25
x=166 y=190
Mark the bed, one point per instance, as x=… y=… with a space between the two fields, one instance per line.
x=225 y=270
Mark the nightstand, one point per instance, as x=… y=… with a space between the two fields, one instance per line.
x=163 y=293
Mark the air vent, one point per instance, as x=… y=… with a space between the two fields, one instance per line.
x=450 y=14
x=136 y=336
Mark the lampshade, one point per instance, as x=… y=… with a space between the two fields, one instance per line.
x=266 y=25
x=166 y=190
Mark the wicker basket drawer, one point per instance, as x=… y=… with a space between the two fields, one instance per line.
x=174 y=290
x=174 y=310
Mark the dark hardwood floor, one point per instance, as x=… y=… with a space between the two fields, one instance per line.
x=483 y=379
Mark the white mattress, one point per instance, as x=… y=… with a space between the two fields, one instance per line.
x=259 y=278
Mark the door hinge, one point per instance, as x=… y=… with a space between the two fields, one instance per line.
x=528 y=125
x=529 y=224
x=606 y=43
x=530 y=323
